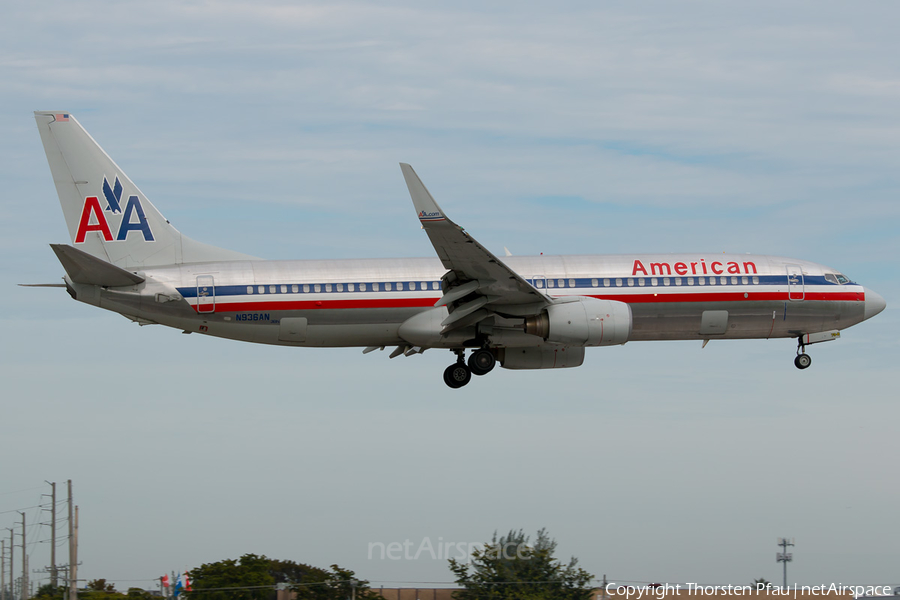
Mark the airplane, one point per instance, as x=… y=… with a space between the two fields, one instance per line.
x=529 y=312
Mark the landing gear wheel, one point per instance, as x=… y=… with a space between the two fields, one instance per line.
x=481 y=362
x=802 y=361
x=457 y=375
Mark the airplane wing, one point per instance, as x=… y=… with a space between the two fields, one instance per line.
x=478 y=283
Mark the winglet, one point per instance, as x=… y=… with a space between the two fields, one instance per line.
x=427 y=209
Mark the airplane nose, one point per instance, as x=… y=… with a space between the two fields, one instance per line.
x=874 y=304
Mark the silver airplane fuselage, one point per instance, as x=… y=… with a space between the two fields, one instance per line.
x=364 y=302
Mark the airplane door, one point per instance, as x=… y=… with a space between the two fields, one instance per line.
x=796 y=288
x=206 y=294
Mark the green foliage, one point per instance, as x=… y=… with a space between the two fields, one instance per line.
x=250 y=572
x=48 y=592
x=254 y=577
x=100 y=585
x=510 y=568
x=336 y=584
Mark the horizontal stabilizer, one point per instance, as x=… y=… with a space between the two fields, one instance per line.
x=82 y=267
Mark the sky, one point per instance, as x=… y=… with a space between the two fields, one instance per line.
x=276 y=129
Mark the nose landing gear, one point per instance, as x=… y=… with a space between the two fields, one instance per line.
x=803 y=359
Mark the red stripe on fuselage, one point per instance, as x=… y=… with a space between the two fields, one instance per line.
x=700 y=297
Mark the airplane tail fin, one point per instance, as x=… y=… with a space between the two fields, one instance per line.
x=107 y=215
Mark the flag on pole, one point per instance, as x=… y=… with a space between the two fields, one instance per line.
x=182 y=585
x=165 y=580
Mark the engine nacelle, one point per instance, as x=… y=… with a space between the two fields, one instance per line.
x=583 y=322
x=545 y=356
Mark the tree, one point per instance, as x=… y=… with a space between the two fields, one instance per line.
x=48 y=592
x=254 y=577
x=338 y=584
x=510 y=568
x=250 y=574
x=100 y=585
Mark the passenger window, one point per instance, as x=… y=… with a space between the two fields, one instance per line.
x=327 y=287
x=400 y=287
x=387 y=287
x=571 y=283
x=678 y=281
x=744 y=280
x=271 y=289
x=295 y=288
x=606 y=283
x=701 y=281
x=435 y=285
x=641 y=281
x=305 y=288
x=317 y=288
x=723 y=280
x=667 y=281
x=249 y=289
x=618 y=282
x=362 y=287
x=654 y=282
x=755 y=280
x=375 y=287
x=351 y=287
x=284 y=289
x=630 y=282
x=539 y=283
x=340 y=287
x=261 y=289
x=734 y=281
x=562 y=283
x=549 y=283
x=712 y=281
x=594 y=283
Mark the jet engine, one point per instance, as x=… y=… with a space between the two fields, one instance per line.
x=583 y=322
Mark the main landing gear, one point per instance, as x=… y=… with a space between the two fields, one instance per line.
x=480 y=362
x=803 y=359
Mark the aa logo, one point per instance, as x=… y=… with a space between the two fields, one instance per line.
x=94 y=218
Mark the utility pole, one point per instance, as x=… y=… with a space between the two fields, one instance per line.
x=784 y=556
x=53 y=575
x=24 y=562
x=12 y=556
x=2 y=569
x=73 y=551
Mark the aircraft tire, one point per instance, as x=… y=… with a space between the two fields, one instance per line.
x=457 y=375
x=802 y=361
x=481 y=362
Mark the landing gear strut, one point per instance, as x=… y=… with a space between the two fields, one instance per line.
x=803 y=359
x=458 y=374
x=480 y=362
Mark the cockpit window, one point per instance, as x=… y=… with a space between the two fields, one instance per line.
x=836 y=278
x=830 y=278
x=842 y=279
